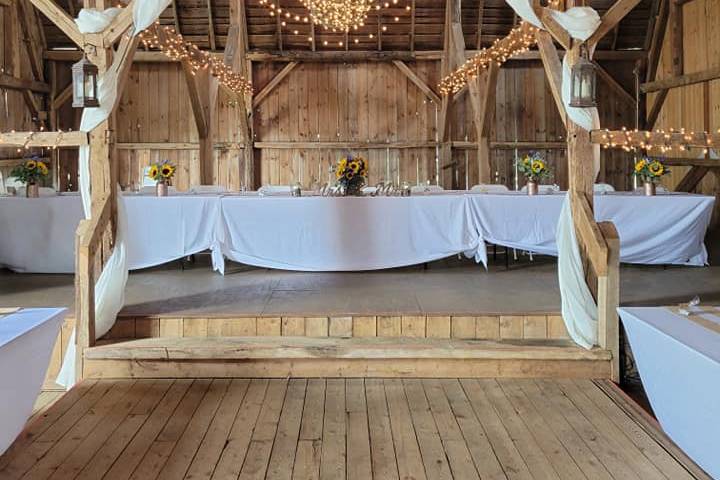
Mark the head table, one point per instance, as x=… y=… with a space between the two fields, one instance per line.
x=313 y=233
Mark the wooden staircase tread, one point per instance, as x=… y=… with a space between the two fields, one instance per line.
x=241 y=348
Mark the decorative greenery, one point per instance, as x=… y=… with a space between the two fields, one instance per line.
x=162 y=171
x=533 y=167
x=649 y=170
x=31 y=172
x=351 y=172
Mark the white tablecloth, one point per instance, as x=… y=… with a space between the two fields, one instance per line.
x=26 y=343
x=664 y=229
x=37 y=235
x=338 y=234
x=320 y=233
x=679 y=363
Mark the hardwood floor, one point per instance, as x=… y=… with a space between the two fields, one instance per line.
x=344 y=428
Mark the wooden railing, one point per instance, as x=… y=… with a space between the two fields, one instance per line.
x=93 y=245
x=600 y=248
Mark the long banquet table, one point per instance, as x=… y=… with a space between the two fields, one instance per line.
x=337 y=234
x=678 y=358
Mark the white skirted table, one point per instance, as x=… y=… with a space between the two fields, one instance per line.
x=26 y=342
x=338 y=234
x=678 y=358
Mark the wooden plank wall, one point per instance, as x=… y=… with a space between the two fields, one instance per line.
x=356 y=102
x=693 y=105
x=15 y=62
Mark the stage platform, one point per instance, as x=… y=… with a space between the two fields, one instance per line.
x=345 y=428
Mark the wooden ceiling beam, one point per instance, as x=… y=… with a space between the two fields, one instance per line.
x=612 y=18
x=553 y=70
x=211 y=27
x=277 y=79
x=13 y=83
x=119 y=25
x=176 y=17
x=424 y=87
x=681 y=81
x=654 y=45
x=61 y=19
x=481 y=12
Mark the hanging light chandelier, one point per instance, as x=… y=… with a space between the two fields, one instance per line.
x=339 y=15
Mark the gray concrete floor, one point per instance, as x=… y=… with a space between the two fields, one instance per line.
x=447 y=286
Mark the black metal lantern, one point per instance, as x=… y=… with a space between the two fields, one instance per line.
x=84 y=78
x=583 y=82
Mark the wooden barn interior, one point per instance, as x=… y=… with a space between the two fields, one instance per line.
x=224 y=362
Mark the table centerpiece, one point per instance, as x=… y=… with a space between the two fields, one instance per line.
x=535 y=169
x=162 y=173
x=649 y=171
x=30 y=173
x=351 y=173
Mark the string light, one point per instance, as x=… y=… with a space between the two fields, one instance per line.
x=334 y=16
x=518 y=40
x=174 y=46
x=661 y=141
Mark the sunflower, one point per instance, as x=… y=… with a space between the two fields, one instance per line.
x=31 y=164
x=349 y=175
x=42 y=168
x=639 y=166
x=355 y=166
x=167 y=170
x=153 y=173
x=656 y=168
x=538 y=166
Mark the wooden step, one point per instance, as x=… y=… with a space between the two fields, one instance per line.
x=342 y=357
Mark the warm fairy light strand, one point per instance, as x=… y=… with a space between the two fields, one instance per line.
x=518 y=41
x=661 y=141
x=174 y=46
x=336 y=16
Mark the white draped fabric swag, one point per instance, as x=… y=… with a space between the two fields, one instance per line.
x=579 y=309
x=110 y=287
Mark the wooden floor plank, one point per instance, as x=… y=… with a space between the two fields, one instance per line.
x=80 y=456
x=67 y=444
x=358 y=429
x=133 y=454
x=511 y=459
x=333 y=458
x=208 y=454
x=122 y=436
x=634 y=457
x=309 y=448
x=456 y=450
x=44 y=421
x=609 y=456
x=282 y=458
x=584 y=457
x=482 y=452
x=258 y=455
x=359 y=460
x=535 y=459
x=160 y=449
x=193 y=435
x=238 y=442
x=431 y=447
x=407 y=450
x=554 y=451
x=654 y=452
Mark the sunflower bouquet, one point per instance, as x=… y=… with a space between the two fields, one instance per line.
x=351 y=172
x=31 y=172
x=649 y=171
x=533 y=167
x=161 y=172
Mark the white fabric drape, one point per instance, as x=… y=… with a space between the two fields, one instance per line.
x=578 y=307
x=580 y=22
x=90 y=20
x=110 y=287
